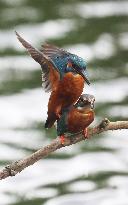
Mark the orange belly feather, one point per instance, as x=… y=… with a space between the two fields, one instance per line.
x=65 y=93
x=54 y=78
x=78 y=121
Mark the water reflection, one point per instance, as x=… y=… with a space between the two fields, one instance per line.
x=36 y=32
x=103 y=196
x=92 y=172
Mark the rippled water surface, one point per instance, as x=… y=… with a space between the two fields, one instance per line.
x=91 y=172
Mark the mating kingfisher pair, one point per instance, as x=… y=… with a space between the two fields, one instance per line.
x=64 y=75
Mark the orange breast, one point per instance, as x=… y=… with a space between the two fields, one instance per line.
x=70 y=88
x=78 y=121
x=67 y=91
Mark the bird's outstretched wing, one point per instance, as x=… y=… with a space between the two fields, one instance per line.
x=50 y=75
x=53 y=51
x=57 y=56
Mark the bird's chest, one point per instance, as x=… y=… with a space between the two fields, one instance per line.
x=78 y=121
x=72 y=84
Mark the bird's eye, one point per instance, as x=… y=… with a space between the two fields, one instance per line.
x=82 y=100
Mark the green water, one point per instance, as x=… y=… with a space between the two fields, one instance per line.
x=91 y=172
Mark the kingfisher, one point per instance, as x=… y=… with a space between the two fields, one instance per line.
x=63 y=74
x=76 y=118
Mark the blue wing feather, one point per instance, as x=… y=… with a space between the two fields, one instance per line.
x=51 y=55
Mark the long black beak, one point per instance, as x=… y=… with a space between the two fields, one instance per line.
x=84 y=74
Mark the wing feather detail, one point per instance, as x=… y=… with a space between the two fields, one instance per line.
x=47 y=66
x=51 y=50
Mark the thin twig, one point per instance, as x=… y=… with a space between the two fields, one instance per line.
x=20 y=165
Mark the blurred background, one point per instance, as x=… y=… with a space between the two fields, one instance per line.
x=91 y=172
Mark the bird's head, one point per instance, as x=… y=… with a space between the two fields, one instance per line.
x=86 y=101
x=79 y=66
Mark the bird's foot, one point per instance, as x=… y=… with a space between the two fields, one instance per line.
x=62 y=139
x=86 y=133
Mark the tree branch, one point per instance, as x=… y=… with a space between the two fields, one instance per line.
x=20 y=165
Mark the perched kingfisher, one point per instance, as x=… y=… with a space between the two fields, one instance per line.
x=77 y=118
x=63 y=74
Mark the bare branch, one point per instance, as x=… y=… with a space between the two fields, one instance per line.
x=20 y=165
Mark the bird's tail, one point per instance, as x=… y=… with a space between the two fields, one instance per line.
x=50 y=122
x=47 y=124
